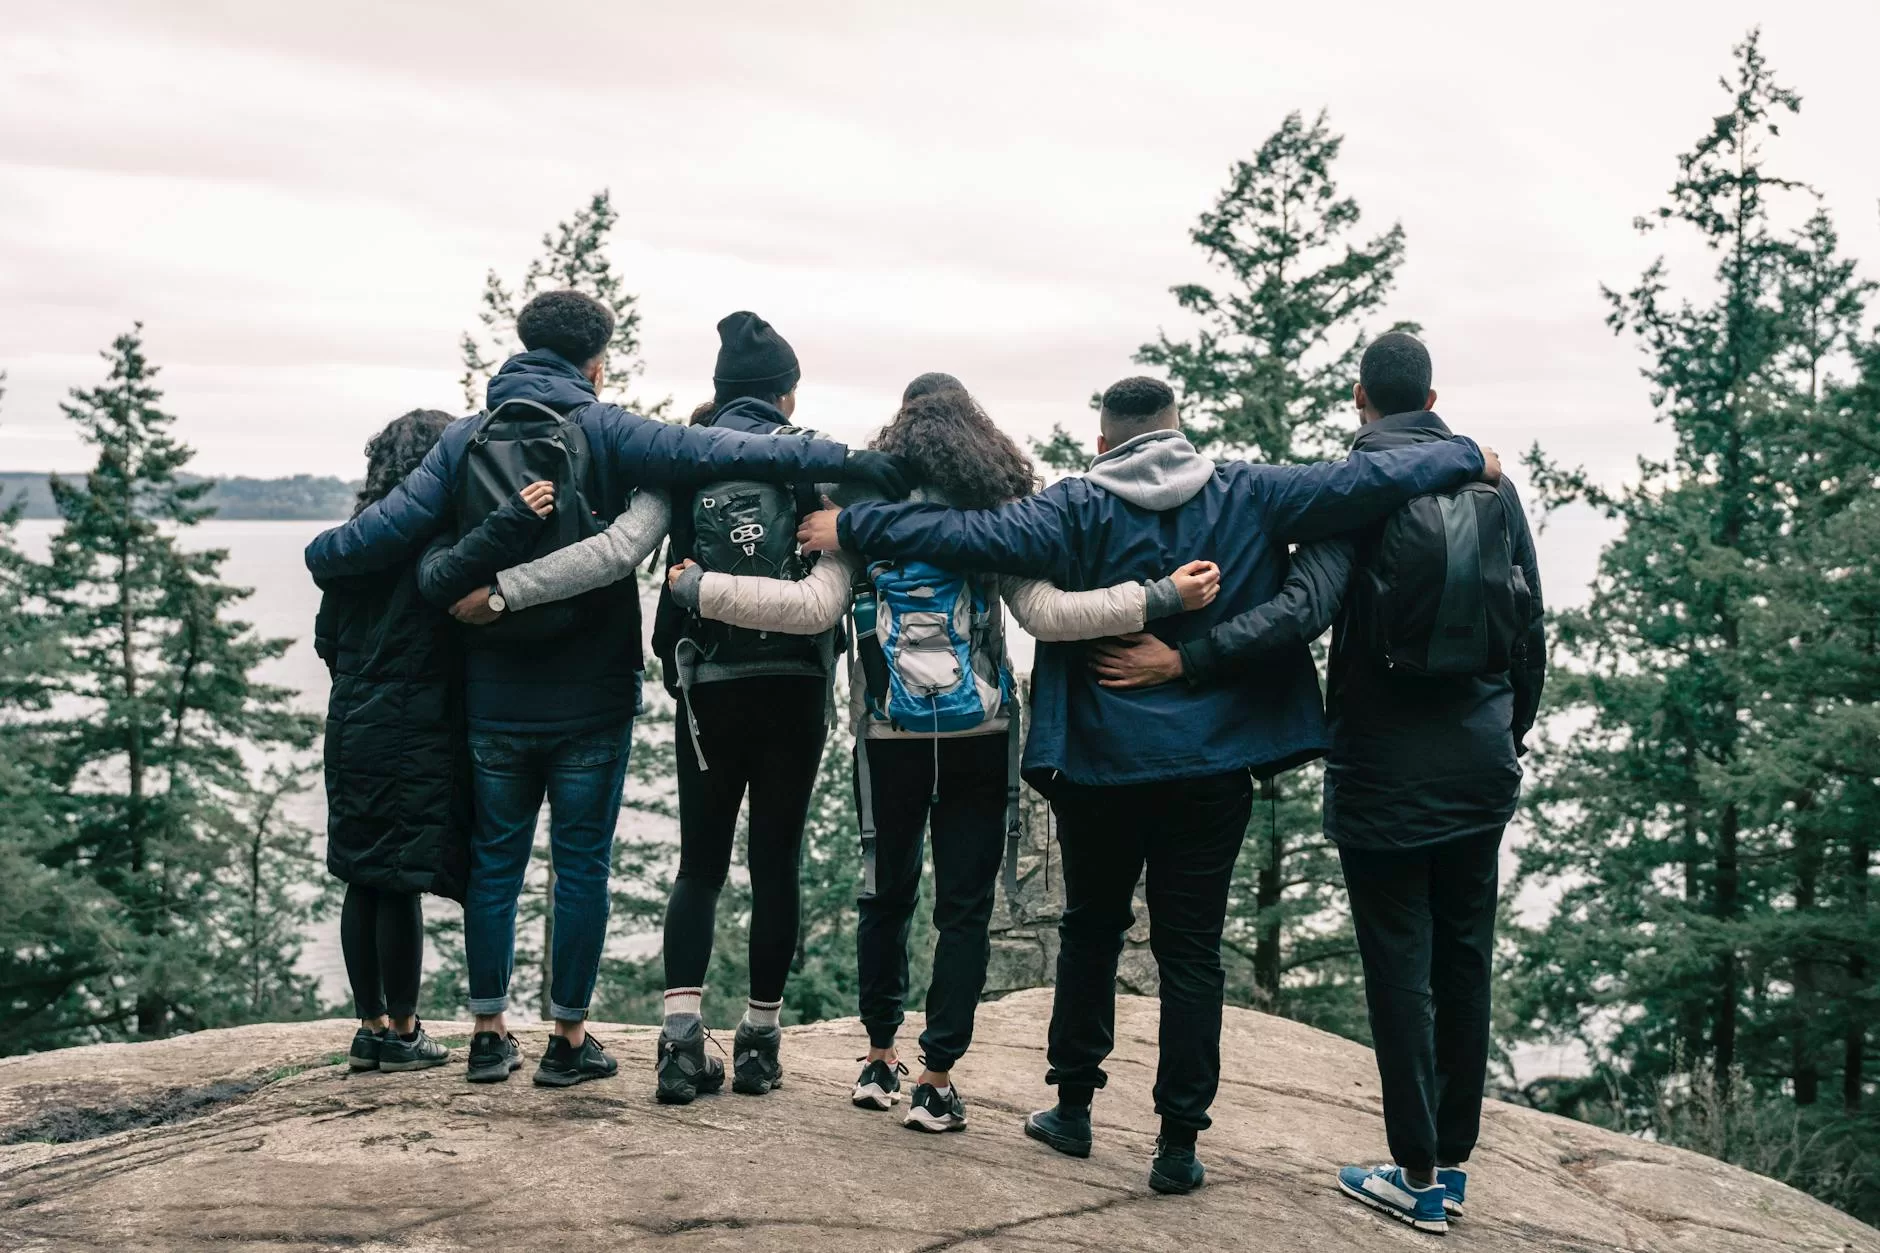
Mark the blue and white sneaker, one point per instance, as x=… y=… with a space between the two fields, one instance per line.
x=1387 y=1190
x=1455 y=1181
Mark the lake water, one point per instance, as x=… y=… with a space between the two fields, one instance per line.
x=266 y=556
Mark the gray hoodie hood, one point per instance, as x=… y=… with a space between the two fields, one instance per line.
x=1158 y=470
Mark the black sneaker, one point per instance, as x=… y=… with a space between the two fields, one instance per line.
x=879 y=1086
x=1176 y=1169
x=366 y=1046
x=1065 y=1128
x=563 y=1065
x=685 y=1070
x=493 y=1057
x=755 y=1069
x=420 y=1052
x=927 y=1110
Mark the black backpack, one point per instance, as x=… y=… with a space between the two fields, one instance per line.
x=518 y=443
x=741 y=527
x=1438 y=592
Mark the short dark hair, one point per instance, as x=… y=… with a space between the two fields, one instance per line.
x=571 y=323
x=929 y=383
x=1134 y=406
x=1395 y=372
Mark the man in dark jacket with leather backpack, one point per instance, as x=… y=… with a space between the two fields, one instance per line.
x=1420 y=780
x=556 y=720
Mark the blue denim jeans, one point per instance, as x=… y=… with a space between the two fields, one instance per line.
x=580 y=774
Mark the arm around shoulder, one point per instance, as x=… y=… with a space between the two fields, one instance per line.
x=597 y=561
x=807 y=606
x=1298 y=613
x=1047 y=612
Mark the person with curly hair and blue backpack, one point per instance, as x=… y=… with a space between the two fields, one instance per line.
x=936 y=718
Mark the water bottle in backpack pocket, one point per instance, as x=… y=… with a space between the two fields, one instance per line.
x=1438 y=592
x=942 y=649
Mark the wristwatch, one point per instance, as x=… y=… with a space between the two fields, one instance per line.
x=497 y=602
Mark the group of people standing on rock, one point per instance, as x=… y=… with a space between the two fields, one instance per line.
x=1172 y=671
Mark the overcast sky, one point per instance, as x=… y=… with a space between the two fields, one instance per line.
x=300 y=201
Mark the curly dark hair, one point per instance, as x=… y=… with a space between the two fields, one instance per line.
x=396 y=451
x=571 y=323
x=954 y=448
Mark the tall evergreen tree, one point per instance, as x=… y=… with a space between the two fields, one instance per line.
x=57 y=929
x=1707 y=823
x=1269 y=373
x=574 y=255
x=161 y=718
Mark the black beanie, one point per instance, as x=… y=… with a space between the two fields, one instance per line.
x=753 y=360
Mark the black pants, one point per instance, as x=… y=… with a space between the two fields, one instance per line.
x=764 y=736
x=967 y=807
x=1426 y=931
x=381 y=935
x=1188 y=832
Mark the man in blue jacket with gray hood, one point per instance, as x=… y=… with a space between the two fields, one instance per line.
x=555 y=719
x=1157 y=777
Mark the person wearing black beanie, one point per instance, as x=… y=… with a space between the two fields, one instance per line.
x=753 y=360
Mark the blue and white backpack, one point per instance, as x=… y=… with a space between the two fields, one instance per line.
x=931 y=647
x=943 y=642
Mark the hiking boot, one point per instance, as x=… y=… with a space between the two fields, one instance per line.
x=684 y=1069
x=493 y=1057
x=420 y=1052
x=1388 y=1190
x=927 y=1110
x=367 y=1044
x=879 y=1086
x=564 y=1065
x=1175 y=1169
x=1455 y=1181
x=754 y=1065
x=1065 y=1128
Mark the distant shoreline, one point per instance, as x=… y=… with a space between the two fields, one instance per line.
x=297 y=498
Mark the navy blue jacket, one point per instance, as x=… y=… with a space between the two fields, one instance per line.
x=581 y=684
x=1081 y=536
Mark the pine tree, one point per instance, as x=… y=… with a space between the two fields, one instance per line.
x=161 y=716
x=1271 y=368
x=574 y=255
x=56 y=927
x=1708 y=822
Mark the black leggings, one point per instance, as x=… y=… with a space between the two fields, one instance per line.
x=765 y=735
x=382 y=936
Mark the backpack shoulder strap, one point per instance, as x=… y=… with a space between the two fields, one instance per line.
x=1014 y=824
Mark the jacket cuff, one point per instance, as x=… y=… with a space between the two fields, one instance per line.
x=1200 y=661
x=1161 y=600
x=686 y=588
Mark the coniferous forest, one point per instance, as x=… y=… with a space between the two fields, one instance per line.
x=1701 y=810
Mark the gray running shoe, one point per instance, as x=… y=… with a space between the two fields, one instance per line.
x=927 y=1110
x=420 y=1052
x=493 y=1057
x=366 y=1045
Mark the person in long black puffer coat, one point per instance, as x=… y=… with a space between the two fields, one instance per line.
x=397 y=758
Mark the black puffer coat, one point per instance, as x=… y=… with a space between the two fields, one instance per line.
x=397 y=757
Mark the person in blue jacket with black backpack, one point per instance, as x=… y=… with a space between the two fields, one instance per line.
x=1432 y=688
x=1159 y=778
x=554 y=718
